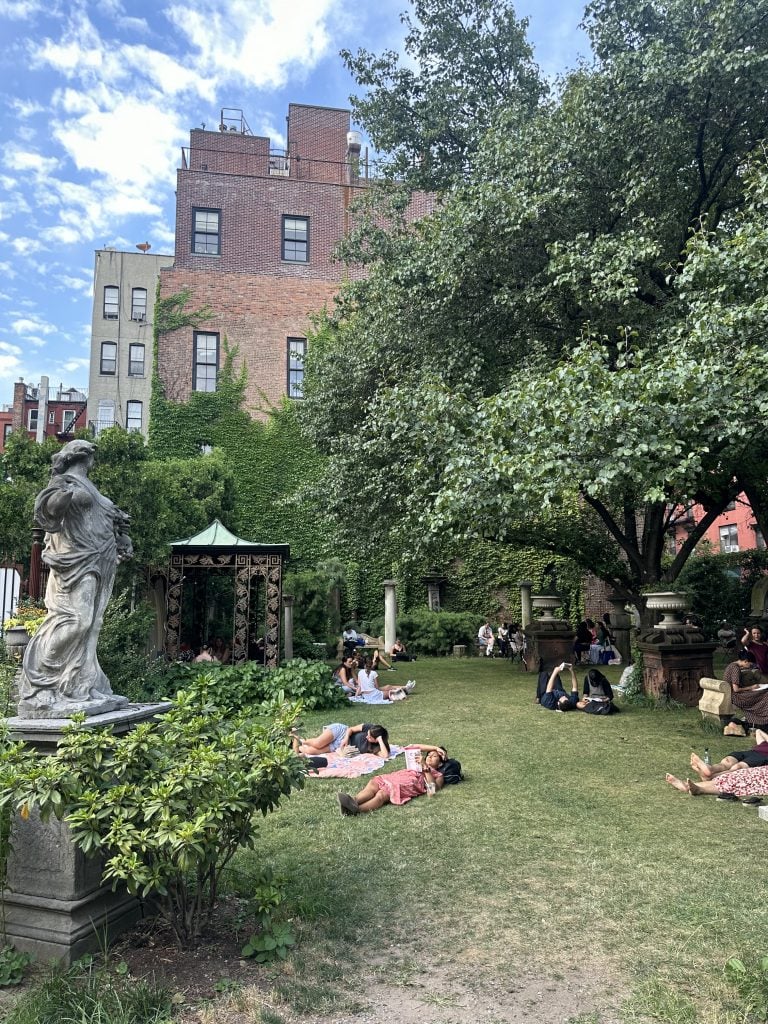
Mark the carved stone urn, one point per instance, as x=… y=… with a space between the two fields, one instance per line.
x=671 y=603
x=16 y=639
x=546 y=605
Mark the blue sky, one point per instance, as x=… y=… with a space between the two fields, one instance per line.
x=96 y=101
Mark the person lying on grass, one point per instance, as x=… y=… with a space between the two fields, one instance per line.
x=401 y=786
x=554 y=697
x=369 y=739
x=739 y=782
x=757 y=757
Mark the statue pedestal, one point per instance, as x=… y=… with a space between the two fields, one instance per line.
x=674 y=660
x=55 y=903
x=549 y=641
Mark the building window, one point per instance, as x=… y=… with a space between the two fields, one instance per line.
x=297 y=349
x=133 y=416
x=105 y=417
x=139 y=304
x=51 y=418
x=136 y=361
x=67 y=419
x=7 y=429
x=206 y=362
x=729 y=539
x=296 y=239
x=111 y=302
x=206 y=236
x=32 y=419
x=108 y=357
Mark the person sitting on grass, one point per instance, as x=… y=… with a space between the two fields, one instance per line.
x=378 y=659
x=598 y=695
x=368 y=689
x=399 y=652
x=748 y=691
x=345 y=675
x=554 y=697
x=398 y=787
x=369 y=739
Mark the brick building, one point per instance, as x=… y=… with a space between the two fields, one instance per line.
x=734 y=530
x=48 y=412
x=255 y=233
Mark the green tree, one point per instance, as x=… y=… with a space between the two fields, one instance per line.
x=465 y=59
x=26 y=466
x=540 y=360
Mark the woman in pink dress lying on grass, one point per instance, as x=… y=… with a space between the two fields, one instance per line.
x=398 y=787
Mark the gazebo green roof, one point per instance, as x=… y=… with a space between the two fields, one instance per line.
x=217 y=539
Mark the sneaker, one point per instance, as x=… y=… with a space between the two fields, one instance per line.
x=410 y=686
x=727 y=797
x=347 y=805
x=752 y=800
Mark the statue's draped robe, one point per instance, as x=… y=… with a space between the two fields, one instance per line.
x=60 y=668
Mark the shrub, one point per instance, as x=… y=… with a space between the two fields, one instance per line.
x=169 y=804
x=248 y=685
x=434 y=633
x=123 y=649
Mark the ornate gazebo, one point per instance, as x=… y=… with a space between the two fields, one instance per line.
x=221 y=585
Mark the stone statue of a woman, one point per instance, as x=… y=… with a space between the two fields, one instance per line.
x=86 y=536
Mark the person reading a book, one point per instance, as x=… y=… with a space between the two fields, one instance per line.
x=554 y=698
x=598 y=695
x=401 y=786
x=369 y=739
x=749 y=693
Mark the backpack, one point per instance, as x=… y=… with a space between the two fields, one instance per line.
x=452 y=773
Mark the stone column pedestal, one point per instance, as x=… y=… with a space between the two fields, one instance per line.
x=288 y=626
x=55 y=903
x=390 y=614
x=621 y=627
x=550 y=640
x=526 y=608
x=673 y=663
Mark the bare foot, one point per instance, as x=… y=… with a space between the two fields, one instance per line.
x=676 y=783
x=693 y=789
x=700 y=766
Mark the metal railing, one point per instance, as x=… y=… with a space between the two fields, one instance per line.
x=276 y=162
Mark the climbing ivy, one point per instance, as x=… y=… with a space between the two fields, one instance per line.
x=274 y=465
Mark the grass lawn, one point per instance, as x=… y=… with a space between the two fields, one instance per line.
x=562 y=881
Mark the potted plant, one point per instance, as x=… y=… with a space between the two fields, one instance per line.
x=22 y=625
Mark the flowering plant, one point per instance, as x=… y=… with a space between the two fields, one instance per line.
x=29 y=614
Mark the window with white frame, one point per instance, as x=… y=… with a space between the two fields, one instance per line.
x=136 y=361
x=32 y=419
x=105 y=417
x=111 y=302
x=133 y=416
x=108 y=362
x=138 y=304
x=297 y=349
x=729 y=538
x=206 y=361
x=67 y=419
x=296 y=239
x=206 y=233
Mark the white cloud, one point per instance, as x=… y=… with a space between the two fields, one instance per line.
x=25 y=326
x=26 y=246
x=256 y=41
x=20 y=10
x=72 y=365
x=83 y=285
x=28 y=160
x=11 y=349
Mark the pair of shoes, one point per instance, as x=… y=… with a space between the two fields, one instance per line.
x=410 y=686
x=347 y=804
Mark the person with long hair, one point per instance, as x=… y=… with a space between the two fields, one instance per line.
x=369 y=739
x=748 y=691
x=598 y=694
x=368 y=689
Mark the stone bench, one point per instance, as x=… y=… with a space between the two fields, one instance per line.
x=715 y=701
x=369 y=645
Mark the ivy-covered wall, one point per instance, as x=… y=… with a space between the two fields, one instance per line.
x=273 y=466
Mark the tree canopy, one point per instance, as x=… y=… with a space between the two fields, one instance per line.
x=570 y=347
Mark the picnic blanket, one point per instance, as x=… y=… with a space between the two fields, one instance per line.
x=354 y=767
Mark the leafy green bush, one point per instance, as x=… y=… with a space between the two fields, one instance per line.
x=304 y=645
x=434 y=633
x=12 y=964
x=169 y=804
x=123 y=649
x=248 y=685
x=274 y=937
x=751 y=982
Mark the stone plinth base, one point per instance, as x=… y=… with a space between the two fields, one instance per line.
x=55 y=903
x=459 y=650
x=549 y=640
x=674 y=662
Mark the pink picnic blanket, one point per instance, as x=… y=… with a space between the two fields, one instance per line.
x=354 y=767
